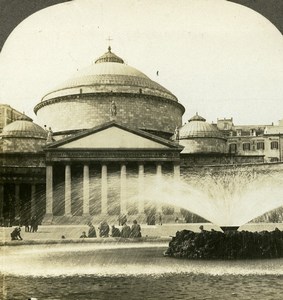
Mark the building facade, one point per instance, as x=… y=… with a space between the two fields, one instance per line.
x=105 y=136
x=8 y=115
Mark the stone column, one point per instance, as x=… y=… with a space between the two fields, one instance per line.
x=33 y=200
x=177 y=209
x=1 y=203
x=123 y=189
x=86 y=190
x=158 y=183
x=17 y=202
x=104 y=192
x=68 y=191
x=49 y=190
x=141 y=189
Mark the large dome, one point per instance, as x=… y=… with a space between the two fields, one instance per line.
x=109 y=71
x=141 y=102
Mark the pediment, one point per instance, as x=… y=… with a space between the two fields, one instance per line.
x=113 y=137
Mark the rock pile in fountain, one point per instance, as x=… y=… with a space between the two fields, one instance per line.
x=227 y=245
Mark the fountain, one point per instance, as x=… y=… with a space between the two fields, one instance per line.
x=228 y=199
x=101 y=270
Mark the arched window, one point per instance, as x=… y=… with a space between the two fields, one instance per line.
x=260 y=146
x=246 y=146
x=274 y=145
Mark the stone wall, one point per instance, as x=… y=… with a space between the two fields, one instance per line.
x=215 y=160
x=139 y=111
x=22 y=144
x=204 y=145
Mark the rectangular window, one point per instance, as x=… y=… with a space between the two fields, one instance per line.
x=274 y=145
x=246 y=146
x=260 y=146
x=233 y=148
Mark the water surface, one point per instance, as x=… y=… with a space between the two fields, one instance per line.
x=97 y=271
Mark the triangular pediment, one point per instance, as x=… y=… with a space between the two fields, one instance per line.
x=113 y=136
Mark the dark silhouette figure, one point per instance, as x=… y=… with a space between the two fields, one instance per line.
x=83 y=235
x=122 y=219
x=115 y=231
x=27 y=227
x=160 y=219
x=16 y=234
x=34 y=224
x=104 y=229
x=135 y=230
x=126 y=231
x=91 y=231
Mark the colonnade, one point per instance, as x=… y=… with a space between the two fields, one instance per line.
x=104 y=188
x=17 y=201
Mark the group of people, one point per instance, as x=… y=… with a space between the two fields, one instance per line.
x=228 y=245
x=104 y=230
x=31 y=225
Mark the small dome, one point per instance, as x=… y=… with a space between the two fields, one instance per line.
x=198 y=127
x=23 y=127
x=109 y=57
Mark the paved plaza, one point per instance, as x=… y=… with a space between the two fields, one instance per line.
x=163 y=232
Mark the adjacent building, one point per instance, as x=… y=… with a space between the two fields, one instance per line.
x=8 y=115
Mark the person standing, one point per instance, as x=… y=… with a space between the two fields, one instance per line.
x=160 y=219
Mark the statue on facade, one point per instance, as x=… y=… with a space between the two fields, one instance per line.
x=49 y=135
x=176 y=134
x=113 y=109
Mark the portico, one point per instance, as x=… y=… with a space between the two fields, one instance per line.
x=103 y=171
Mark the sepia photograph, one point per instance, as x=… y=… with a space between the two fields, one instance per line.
x=141 y=149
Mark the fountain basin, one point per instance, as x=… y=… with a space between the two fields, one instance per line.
x=130 y=271
x=230 y=244
x=229 y=228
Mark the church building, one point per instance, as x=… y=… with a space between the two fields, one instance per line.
x=103 y=132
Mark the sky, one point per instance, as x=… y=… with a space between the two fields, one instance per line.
x=219 y=58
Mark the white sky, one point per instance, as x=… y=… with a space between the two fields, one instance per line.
x=219 y=58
